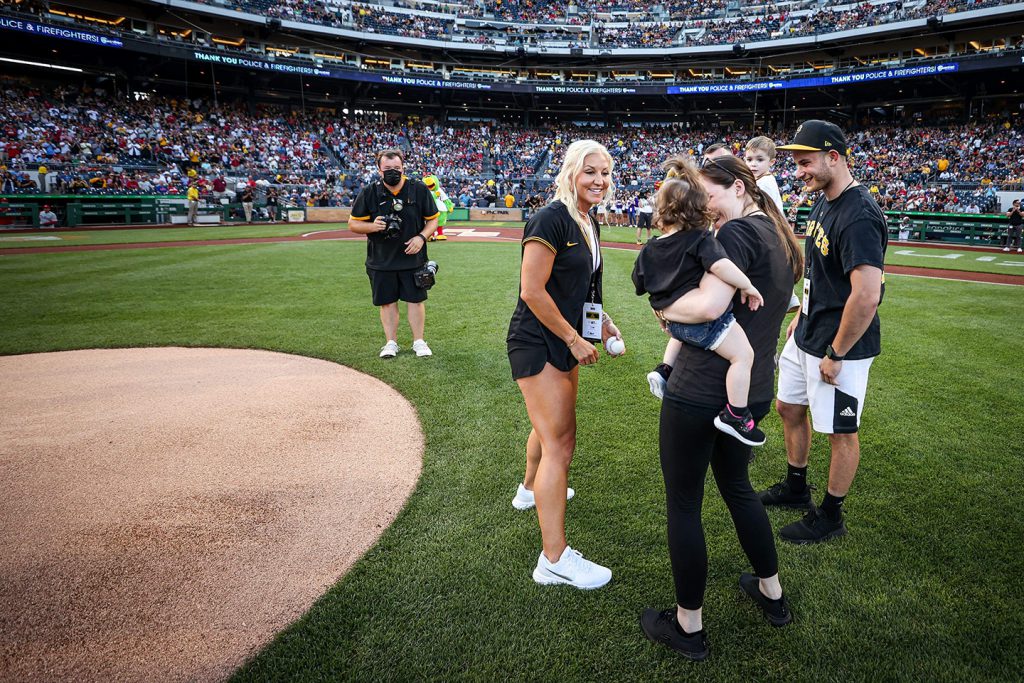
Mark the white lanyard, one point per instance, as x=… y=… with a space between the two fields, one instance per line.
x=595 y=248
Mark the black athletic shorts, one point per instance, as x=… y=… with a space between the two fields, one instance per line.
x=528 y=360
x=388 y=286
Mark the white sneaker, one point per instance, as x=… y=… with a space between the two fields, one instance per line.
x=421 y=348
x=572 y=569
x=1006 y=249
x=1019 y=250
x=657 y=384
x=389 y=350
x=524 y=498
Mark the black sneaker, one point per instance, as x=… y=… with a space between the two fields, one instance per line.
x=657 y=379
x=776 y=611
x=741 y=428
x=780 y=495
x=664 y=369
x=815 y=527
x=662 y=627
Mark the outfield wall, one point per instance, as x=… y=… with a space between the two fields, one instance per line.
x=22 y=211
x=328 y=214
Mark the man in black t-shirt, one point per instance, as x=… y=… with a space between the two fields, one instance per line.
x=835 y=336
x=1013 y=233
x=246 y=199
x=272 y=204
x=393 y=256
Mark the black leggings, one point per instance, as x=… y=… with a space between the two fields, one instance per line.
x=689 y=442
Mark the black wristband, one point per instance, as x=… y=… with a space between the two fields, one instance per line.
x=420 y=235
x=831 y=354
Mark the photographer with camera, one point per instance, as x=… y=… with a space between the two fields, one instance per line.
x=397 y=215
x=1013 y=232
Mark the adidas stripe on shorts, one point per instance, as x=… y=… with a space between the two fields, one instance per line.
x=835 y=408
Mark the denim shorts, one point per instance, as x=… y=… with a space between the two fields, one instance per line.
x=706 y=336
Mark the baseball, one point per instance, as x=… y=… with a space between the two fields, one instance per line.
x=615 y=346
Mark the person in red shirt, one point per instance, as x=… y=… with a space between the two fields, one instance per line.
x=47 y=218
x=220 y=189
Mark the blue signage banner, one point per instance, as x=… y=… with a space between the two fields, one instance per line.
x=816 y=82
x=229 y=59
x=59 y=32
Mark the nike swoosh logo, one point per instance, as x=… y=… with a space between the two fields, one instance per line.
x=571 y=244
x=561 y=576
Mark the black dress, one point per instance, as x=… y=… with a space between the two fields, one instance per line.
x=572 y=283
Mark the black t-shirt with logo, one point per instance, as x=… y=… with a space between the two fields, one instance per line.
x=571 y=280
x=669 y=267
x=1016 y=219
x=418 y=207
x=698 y=376
x=842 y=234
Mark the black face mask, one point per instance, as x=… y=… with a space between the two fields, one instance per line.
x=392 y=177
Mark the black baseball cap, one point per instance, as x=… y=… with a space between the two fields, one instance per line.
x=817 y=136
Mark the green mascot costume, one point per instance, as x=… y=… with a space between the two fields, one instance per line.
x=444 y=205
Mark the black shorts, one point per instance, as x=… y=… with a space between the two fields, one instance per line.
x=528 y=360
x=645 y=220
x=388 y=286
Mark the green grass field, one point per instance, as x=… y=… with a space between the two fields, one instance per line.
x=948 y=259
x=925 y=587
x=955 y=259
x=68 y=238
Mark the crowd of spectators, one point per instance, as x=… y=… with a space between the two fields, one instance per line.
x=901 y=163
x=661 y=34
x=306 y=11
x=534 y=11
x=370 y=20
x=908 y=167
x=979 y=152
x=67 y=140
x=526 y=35
x=709 y=22
x=943 y=199
x=738 y=31
x=517 y=153
x=604 y=24
x=88 y=126
x=769 y=22
x=446 y=151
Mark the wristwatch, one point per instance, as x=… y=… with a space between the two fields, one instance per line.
x=831 y=354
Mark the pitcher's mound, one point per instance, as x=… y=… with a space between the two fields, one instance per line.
x=164 y=512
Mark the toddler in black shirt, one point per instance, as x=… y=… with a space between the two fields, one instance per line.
x=674 y=265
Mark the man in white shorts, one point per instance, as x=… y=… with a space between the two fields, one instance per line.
x=836 y=335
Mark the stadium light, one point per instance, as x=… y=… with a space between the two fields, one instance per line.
x=42 y=64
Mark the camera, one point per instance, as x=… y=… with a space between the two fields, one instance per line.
x=392 y=226
x=424 y=277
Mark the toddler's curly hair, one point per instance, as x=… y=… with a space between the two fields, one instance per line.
x=681 y=203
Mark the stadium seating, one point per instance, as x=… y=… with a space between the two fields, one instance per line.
x=93 y=145
x=615 y=23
